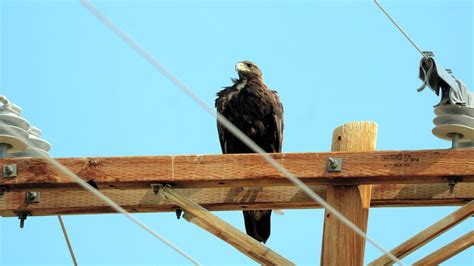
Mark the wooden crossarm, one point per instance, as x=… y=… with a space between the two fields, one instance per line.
x=246 y=170
x=238 y=181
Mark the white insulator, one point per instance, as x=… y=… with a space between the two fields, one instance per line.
x=29 y=152
x=454 y=109
x=14 y=136
x=10 y=114
x=455 y=119
x=36 y=141
x=23 y=140
x=37 y=147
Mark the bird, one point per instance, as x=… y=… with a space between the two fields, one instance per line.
x=258 y=112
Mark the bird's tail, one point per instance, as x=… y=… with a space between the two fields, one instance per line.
x=257 y=224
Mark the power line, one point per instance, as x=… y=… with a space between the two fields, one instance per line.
x=68 y=242
x=229 y=126
x=400 y=28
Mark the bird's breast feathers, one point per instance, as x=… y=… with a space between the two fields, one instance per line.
x=247 y=98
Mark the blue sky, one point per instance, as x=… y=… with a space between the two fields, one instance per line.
x=331 y=62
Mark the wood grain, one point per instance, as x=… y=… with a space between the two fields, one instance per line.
x=246 y=170
x=341 y=245
x=227 y=198
x=198 y=215
x=427 y=235
x=457 y=246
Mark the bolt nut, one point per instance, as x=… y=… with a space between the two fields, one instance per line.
x=334 y=164
x=32 y=197
x=9 y=170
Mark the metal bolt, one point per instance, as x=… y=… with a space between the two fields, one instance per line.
x=455 y=139
x=334 y=164
x=156 y=188
x=32 y=197
x=452 y=181
x=9 y=170
x=179 y=212
x=22 y=216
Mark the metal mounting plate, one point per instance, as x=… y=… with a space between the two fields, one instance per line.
x=9 y=170
x=32 y=197
x=334 y=164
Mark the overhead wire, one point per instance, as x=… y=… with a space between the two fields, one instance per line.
x=68 y=242
x=66 y=171
x=400 y=28
x=229 y=126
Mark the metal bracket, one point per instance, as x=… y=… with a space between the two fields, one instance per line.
x=157 y=188
x=3 y=190
x=9 y=170
x=32 y=197
x=452 y=181
x=334 y=164
x=187 y=216
x=22 y=216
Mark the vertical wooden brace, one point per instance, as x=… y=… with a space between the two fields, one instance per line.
x=341 y=245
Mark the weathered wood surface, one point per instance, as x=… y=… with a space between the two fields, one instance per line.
x=242 y=181
x=214 y=225
x=427 y=235
x=277 y=197
x=246 y=170
x=341 y=244
x=457 y=246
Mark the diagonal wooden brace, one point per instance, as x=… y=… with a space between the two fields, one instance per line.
x=425 y=236
x=203 y=218
x=441 y=255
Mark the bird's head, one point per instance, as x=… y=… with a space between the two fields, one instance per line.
x=247 y=70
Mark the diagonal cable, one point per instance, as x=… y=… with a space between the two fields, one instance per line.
x=400 y=28
x=68 y=242
x=229 y=126
x=63 y=169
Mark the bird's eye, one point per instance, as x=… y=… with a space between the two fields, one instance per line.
x=249 y=65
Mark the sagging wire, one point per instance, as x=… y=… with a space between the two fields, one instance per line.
x=229 y=126
x=66 y=171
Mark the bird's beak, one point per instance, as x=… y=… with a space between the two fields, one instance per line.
x=241 y=67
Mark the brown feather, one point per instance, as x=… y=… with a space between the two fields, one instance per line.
x=257 y=112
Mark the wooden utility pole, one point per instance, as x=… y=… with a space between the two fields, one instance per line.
x=341 y=245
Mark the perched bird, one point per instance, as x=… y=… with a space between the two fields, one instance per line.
x=257 y=111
